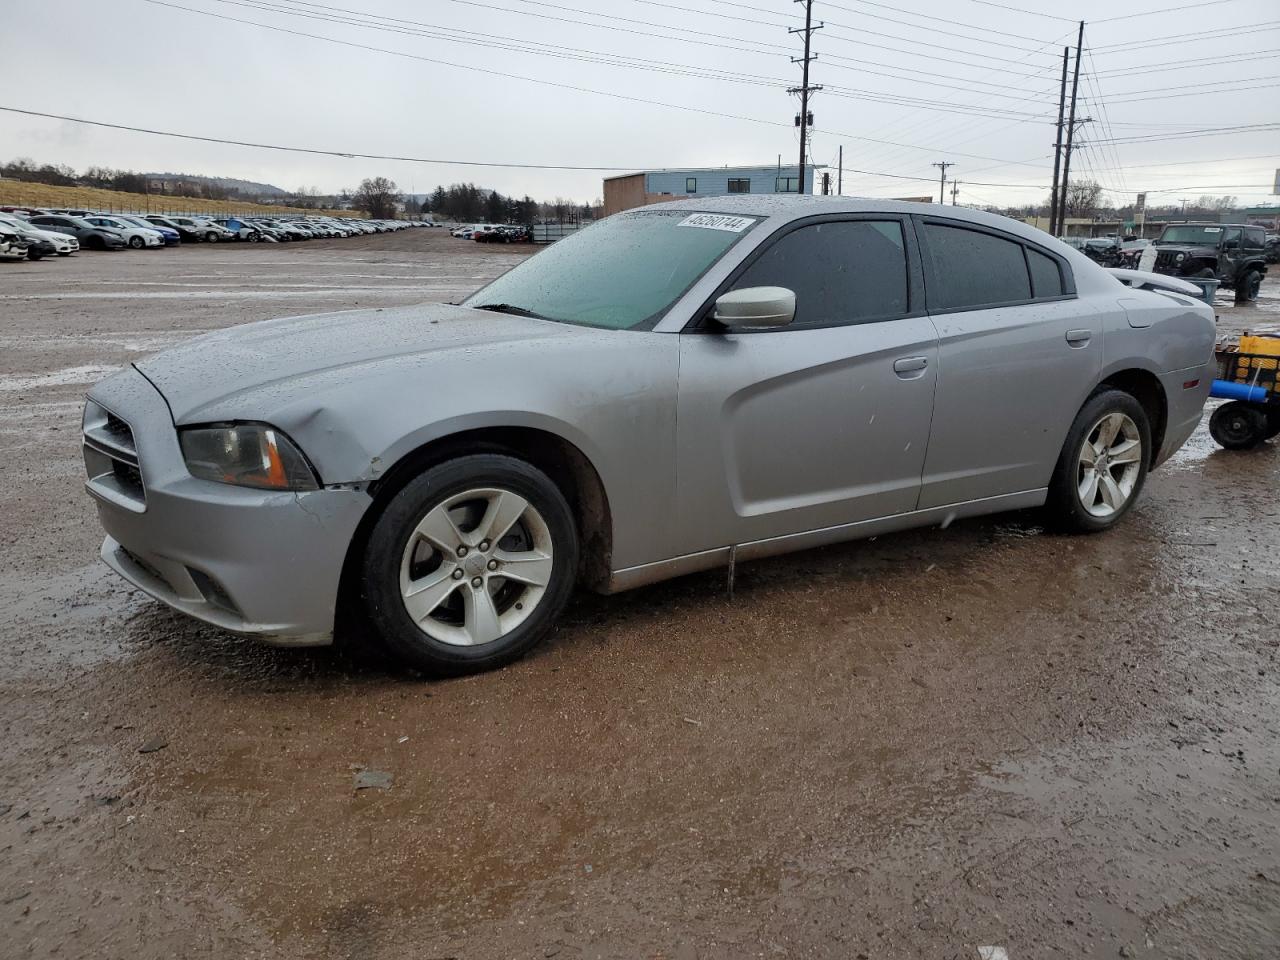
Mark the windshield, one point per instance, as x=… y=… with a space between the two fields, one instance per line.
x=619 y=273
x=1190 y=234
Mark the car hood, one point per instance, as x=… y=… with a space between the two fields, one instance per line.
x=1188 y=248
x=272 y=362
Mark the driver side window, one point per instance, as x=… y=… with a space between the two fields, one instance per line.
x=842 y=272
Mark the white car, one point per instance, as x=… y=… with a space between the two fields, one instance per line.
x=136 y=237
x=63 y=243
x=12 y=246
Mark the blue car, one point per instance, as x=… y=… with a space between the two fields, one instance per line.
x=171 y=236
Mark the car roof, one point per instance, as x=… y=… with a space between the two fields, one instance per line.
x=782 y=207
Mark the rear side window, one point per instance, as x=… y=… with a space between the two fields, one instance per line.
x=841 y=272
x=974 y=269
x=1046 y=275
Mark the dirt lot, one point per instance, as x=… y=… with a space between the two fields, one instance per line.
x=910 y=747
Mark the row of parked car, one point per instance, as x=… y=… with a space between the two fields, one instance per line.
x=27 y=233
x=493 y=233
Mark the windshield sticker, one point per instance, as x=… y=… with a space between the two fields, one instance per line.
x=1212 y=229
x=715 y=221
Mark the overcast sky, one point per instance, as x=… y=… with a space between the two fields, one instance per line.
x=972 y=82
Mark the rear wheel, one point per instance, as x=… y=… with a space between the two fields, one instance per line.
x=1247 y=287
x=1103 y=464
x=1239 y=425
x=469 y=565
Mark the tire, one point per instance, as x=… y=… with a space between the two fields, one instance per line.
x=34 y=256
x=1205 y=273
x=1247 y=287
x=1273 y=423
x=1080 y=501
x=1238 y=425
x=137 y=243
x=61 y=254
x=211 y=237
x=253 y=238
x=454 y=631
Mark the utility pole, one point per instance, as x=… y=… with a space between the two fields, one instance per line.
x=955 y=188
x=1071 y=129
x=805 y=119
x=942 y=188
x=1057 y=146
x=840 y=175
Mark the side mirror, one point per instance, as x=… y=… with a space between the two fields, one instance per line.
x=756 y=308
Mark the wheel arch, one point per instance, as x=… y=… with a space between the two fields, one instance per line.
x=561 y=460
x=1145 y=387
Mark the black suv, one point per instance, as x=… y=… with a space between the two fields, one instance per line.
x=1233 y=253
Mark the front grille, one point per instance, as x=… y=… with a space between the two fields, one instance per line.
x=111 y=459
x=1166 y=261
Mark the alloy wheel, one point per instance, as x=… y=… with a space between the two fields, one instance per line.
x=476 y=566
x=1109 y=465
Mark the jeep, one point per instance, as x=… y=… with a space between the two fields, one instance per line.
x=1232 y=253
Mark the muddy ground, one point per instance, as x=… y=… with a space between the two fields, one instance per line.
x=910 y=747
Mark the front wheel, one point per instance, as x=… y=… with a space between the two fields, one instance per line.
x=1239 y=425
x=1248 y=286
x=211 y=237
x=1103 y=464
x=137 y=243
x=470 y=564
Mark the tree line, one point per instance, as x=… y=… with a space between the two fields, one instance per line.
x=1086 y=200
x=467 y=203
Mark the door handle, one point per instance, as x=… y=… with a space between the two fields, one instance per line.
x=1079 y=338
x=910 y=368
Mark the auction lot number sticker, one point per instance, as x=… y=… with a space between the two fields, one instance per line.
x=716 y=221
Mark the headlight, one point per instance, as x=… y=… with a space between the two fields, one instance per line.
x=1179 y=258
x=246 y=455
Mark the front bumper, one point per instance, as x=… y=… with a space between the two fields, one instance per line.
x=251 y=561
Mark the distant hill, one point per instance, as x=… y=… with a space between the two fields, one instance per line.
x=246 y=187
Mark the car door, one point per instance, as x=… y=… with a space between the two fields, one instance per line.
x=1018 y=355
x=820 y=423
x=1231 y=255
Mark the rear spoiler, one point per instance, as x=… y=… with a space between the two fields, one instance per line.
x=1142 y=280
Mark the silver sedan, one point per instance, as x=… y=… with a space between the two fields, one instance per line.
x=675 y=388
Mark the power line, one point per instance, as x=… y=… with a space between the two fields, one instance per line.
x=1229 y=58
x=550 y=83
x=924 y=16
x=1183 y=93
x=346 y=154
x=353 y=155
x=1165 y=10
x=1030 y=13
x=1221 y=33
x=1193 y=134
x=593 y=56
